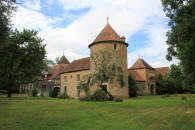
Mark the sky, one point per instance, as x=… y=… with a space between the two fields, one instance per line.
x=69 y=26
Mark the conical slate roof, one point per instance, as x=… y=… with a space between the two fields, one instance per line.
x=108 y=34
x=63 y=60
x=140 y=64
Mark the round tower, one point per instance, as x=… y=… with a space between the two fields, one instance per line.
x=109 y=40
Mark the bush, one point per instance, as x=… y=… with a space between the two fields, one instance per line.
x=184 y=98
x=34 y=93
x=165 y=96
x=53 y=93
x=63 y=96
x=88 y=97
x=118 y=100
x=98 y=95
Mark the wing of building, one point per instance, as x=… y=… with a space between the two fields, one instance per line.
x=145 y=75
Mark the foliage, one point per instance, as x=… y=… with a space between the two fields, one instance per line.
x=143 y=94
x=22 y=60
x=57 y=60
x=181 y=37
x=184 y=98
x=165 y=96
x=34 y=93
x=84 y=84
x=48 y=64
x=88 y=97
x=172 y=83
x=53 y=93
x=6 y=9
x=132 y=86
x=98 y=95
x=63 y=96
x=118 y=100
x=105 y=67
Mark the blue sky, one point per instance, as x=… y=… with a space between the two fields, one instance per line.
x=71 y=25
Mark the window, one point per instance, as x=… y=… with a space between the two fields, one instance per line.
x=115 y=46
x=65 y=90
x=65 y=78
x=78 y=77
x=71 y=76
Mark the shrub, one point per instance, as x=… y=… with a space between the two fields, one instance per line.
x=53 y=93
x=42 y=95
x=183 y=98
x=88 y=97
x=98 y=95
x=63 y=96
x=34 y=92
x=118 y=100
x=165 y=96
x=132 y=86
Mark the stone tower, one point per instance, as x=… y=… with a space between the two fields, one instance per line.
x=109 y=40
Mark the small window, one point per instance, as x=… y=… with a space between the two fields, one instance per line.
x=65 y=90
x=71 y=76
x=78 y=77
x=65 y=78
x=115 y=46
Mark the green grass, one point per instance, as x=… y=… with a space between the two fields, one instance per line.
x=150 y=113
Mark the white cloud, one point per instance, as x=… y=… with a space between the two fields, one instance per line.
x=126 y=16
x=33 y=4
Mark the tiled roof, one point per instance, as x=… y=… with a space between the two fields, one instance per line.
x=78 y=65
x=54 y=72
x=63 y=60
x=136 y=75
x=161 y=70
x=140 y=64
x=108 y=34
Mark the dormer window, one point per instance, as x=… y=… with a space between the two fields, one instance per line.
x=115 y=46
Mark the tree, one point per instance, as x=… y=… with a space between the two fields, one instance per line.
x=105 y=68
x=132 y=86
x=6 y=9
x=48 y=64
x=175 y=76
x=181 y=37
x=23 y=59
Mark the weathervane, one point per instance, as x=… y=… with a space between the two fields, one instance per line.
x=107 y=20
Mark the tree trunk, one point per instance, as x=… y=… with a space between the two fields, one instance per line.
x=9 y=94
x=109 y=94
x=10 y=89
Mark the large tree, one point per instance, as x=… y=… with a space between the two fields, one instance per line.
x=22 y=59
x=6 y=9
x=181 y=37
x=105 y=67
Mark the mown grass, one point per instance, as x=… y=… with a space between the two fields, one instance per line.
x=142 y=113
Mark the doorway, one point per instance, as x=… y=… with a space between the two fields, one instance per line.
x=152 y=89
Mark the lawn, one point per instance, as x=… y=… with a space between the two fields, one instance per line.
x=150 y=113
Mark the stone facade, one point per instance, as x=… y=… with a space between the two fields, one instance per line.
x=109 y=40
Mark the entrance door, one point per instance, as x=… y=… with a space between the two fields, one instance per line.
x=78 y=91
x=152 y=89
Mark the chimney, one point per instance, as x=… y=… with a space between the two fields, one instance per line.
x=123 y=38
